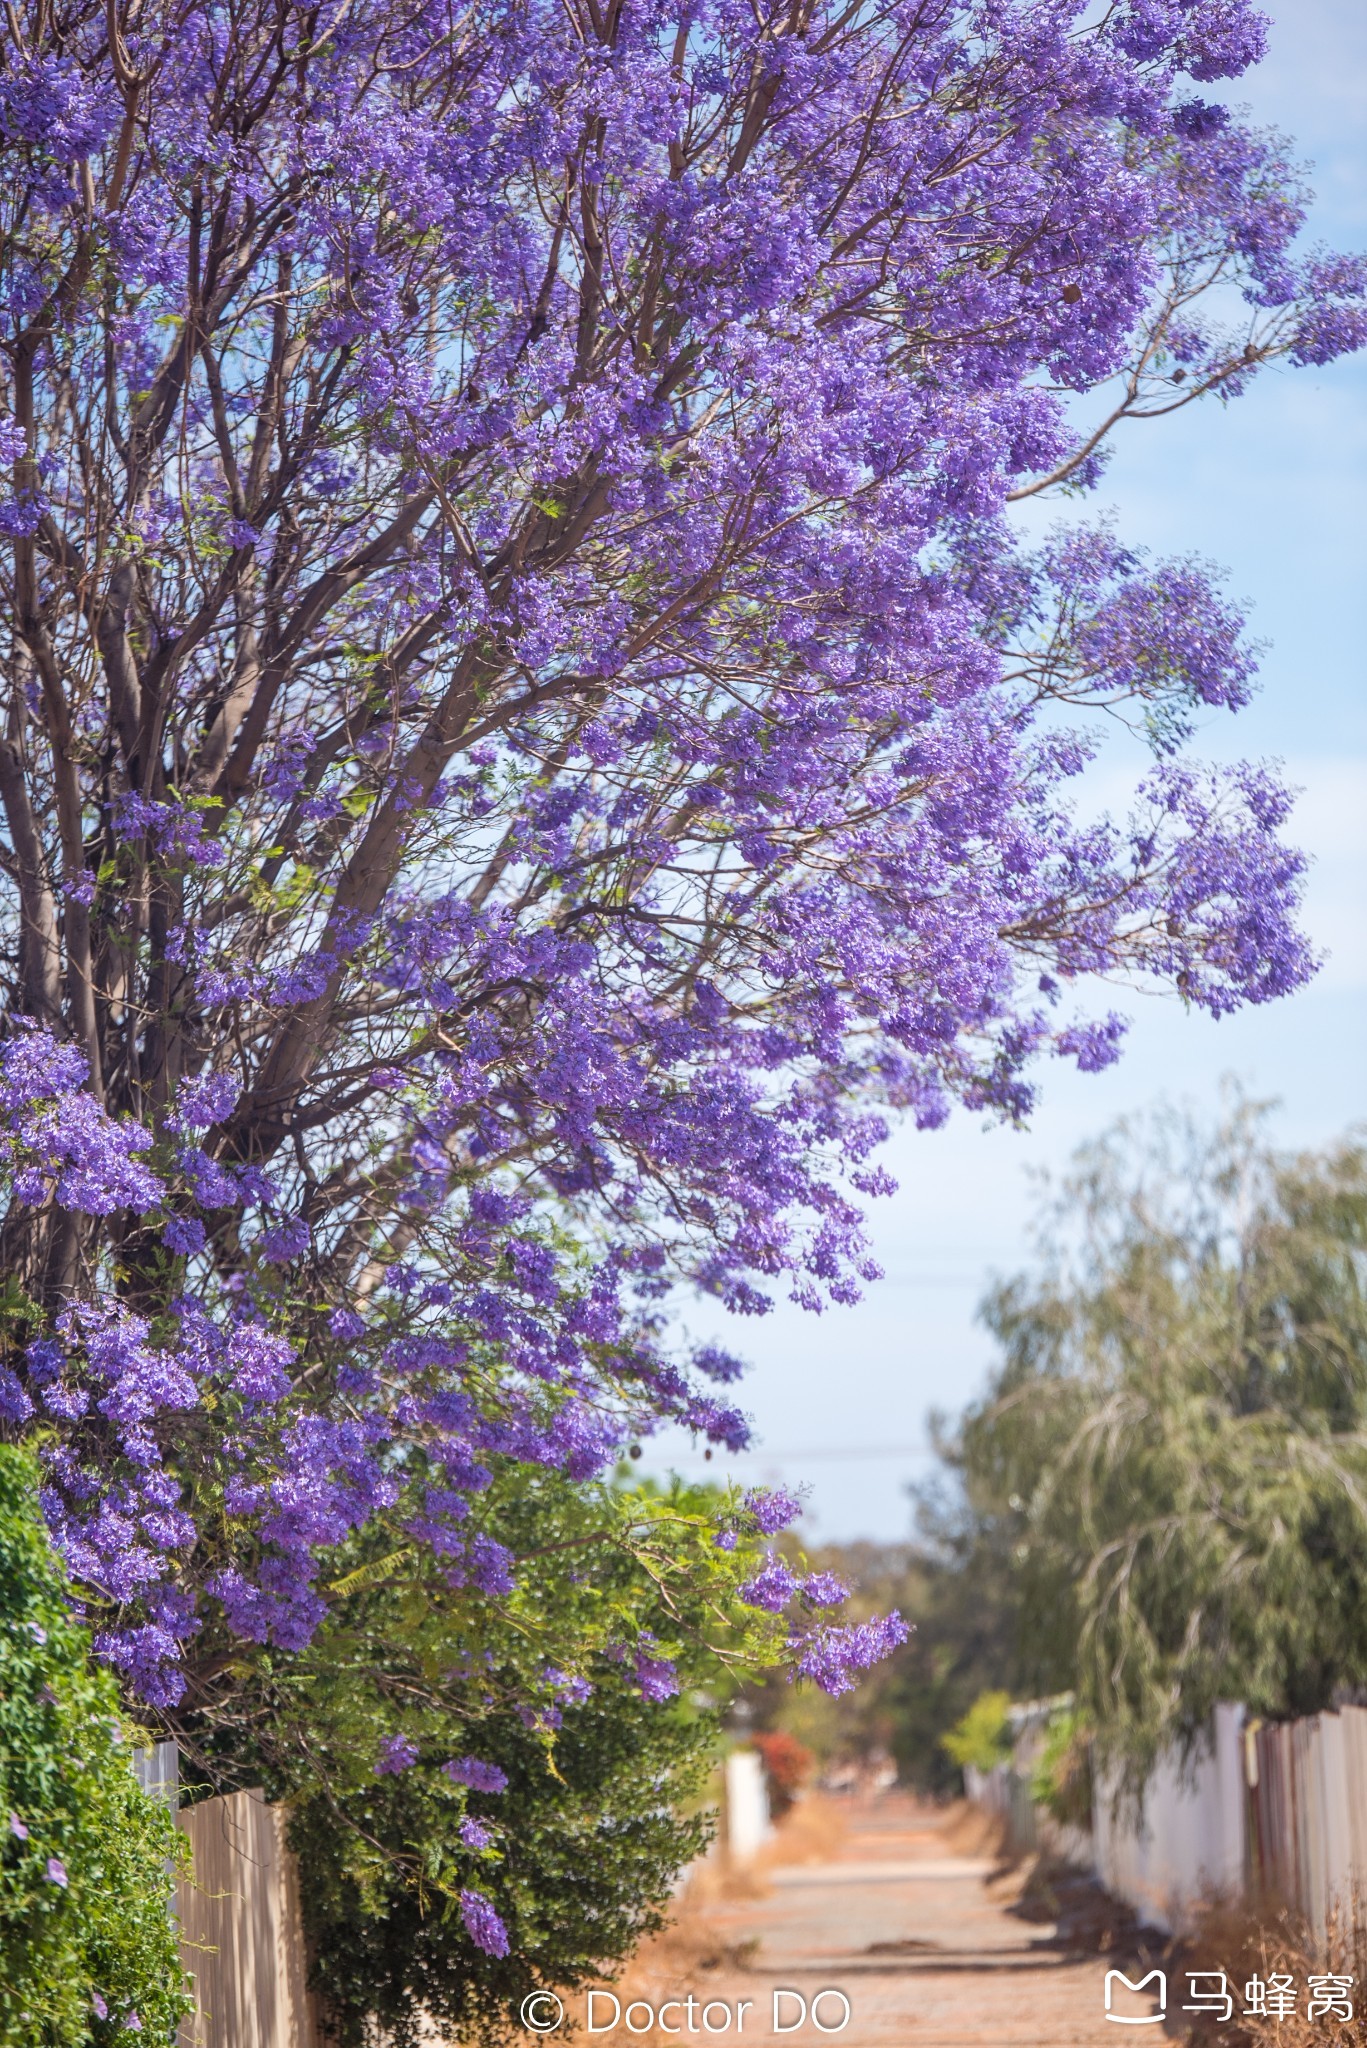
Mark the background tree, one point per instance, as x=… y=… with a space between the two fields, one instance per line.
x=1174 y=1449
x=526 y=728
x=88 y=1953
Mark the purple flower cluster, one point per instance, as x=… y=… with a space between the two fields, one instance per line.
x=656 y=1678
x=479 y=1776
x=769 y=1509
x=398 y=1753
x=776 y=1584
x=772 y=1587
x=482 y=1924
x=62 y=1143
x=832 y=1656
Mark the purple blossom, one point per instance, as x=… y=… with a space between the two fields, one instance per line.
x=56 y=1871
x=482 y=1924
x=48 y=101
x=773 y=1587
x=398 y=1753
x=656 y=1677
x=63 y=1140
x=824 y=1589
x=770 y=1510
x=286 y=1241
x=15 y=1405
x=478 y=1775
x=17 y=1828
x=184 y=1234
x=205 y=1101
x=475 y=1835
x=832 y=1656
x=572 y=1688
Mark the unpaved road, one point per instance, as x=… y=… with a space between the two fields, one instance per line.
x=929 y=1950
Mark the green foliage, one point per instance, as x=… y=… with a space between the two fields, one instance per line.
x=587 y=1844
x=1173 y=1455
x=983 y=1737
x=604 y=1800
x=1061 y=1777
x=85 y=1856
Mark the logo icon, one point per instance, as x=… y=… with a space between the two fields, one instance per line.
x=542 y=2012
x=1138 y=2019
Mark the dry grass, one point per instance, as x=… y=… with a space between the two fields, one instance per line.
x=1246 y=1941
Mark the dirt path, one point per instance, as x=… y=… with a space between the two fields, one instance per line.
x=929 y=1950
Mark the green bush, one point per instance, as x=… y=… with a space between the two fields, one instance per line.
x=585 y=1848
x=606 y=1776
x=983 y=1737
x=1061 y=1780
x=88 y=1953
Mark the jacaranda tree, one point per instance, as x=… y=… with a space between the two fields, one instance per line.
x=527 y=730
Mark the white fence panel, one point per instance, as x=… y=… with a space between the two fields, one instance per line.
x=748 y=1826
x=1186 y=1840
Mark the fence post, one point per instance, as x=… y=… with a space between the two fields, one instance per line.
x=748 y=1825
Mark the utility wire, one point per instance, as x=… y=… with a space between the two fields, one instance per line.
x=764 y=1456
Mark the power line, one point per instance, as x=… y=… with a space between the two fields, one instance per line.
x=764 y=1456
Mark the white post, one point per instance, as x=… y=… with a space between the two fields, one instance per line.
x=748 y=1825
x=1230 y=1873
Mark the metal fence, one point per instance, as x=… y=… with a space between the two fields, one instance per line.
x=241 y=1933
x=1307 y=1812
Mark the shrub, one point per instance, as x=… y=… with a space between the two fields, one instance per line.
x=983 y=1737
x=88 y=1952
x=493 y=1793
x=1061 y=1779
x=788 y=1764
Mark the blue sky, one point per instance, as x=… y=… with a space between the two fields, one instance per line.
x=1274 y=488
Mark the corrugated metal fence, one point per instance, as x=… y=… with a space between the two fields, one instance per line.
x=1307 y=1811
x=1188 y=1839
x=241 y=1934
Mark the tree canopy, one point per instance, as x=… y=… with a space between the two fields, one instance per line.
x=528 y=730
x=1172 y=1458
